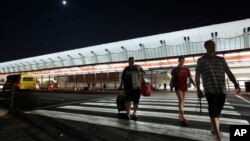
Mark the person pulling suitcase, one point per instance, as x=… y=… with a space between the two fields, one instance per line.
x=131 y=79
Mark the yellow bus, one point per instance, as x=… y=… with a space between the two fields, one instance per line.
x=23 y=81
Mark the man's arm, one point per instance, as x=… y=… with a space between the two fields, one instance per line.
x=121 y=84
x=197 y=81
x=142 y=71
x=192 y=81
x=233 y=79
x=122 y=81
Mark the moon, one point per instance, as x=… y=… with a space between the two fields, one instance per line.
x=64 y=2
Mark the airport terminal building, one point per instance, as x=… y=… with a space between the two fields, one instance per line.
x=97 y=65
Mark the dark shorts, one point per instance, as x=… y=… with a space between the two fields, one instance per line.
x=133 y=95
x=215 y=104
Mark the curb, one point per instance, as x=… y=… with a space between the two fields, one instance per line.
x=3 y=111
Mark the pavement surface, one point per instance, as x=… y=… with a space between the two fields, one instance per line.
x=18 y=126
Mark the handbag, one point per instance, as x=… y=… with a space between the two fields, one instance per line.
x=146 y=89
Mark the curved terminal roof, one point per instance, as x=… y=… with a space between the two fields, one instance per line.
x=229 y=36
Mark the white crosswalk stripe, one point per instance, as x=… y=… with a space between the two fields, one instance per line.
x=151 y=107
x=159 y=114
x=172 y=102
x=159 y=107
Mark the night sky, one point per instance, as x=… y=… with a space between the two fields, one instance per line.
x=35 y=27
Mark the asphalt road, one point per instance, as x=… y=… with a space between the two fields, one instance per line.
x=32 y=100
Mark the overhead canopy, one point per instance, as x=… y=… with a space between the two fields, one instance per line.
x=228 y=36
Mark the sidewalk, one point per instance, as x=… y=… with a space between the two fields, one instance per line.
x=3 y=111
x=14 y=127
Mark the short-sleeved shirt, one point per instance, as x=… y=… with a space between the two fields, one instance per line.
x=132 y=86
x=181 y=74
x=127 y=76
x=212 y=70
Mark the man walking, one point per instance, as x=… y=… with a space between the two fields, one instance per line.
x=212 y=68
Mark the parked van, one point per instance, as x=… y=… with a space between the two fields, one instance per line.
x=22 y=82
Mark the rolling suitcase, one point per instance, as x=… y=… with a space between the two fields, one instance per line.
x=120 y=102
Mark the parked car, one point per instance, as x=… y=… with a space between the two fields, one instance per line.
x=48 y=85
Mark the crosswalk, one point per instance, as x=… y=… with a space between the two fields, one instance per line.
x=157 y=115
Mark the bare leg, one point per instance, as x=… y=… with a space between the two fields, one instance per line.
x=128 y=107
x=216 y=126
x=180 y=104
x=181 y=97
x=183 y=102
x=135 y=105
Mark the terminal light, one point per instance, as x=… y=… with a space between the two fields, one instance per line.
x=162 y=42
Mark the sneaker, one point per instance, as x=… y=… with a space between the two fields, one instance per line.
x=134 y=117
x=128 y=117
x=184 y=122
x=212 y=132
